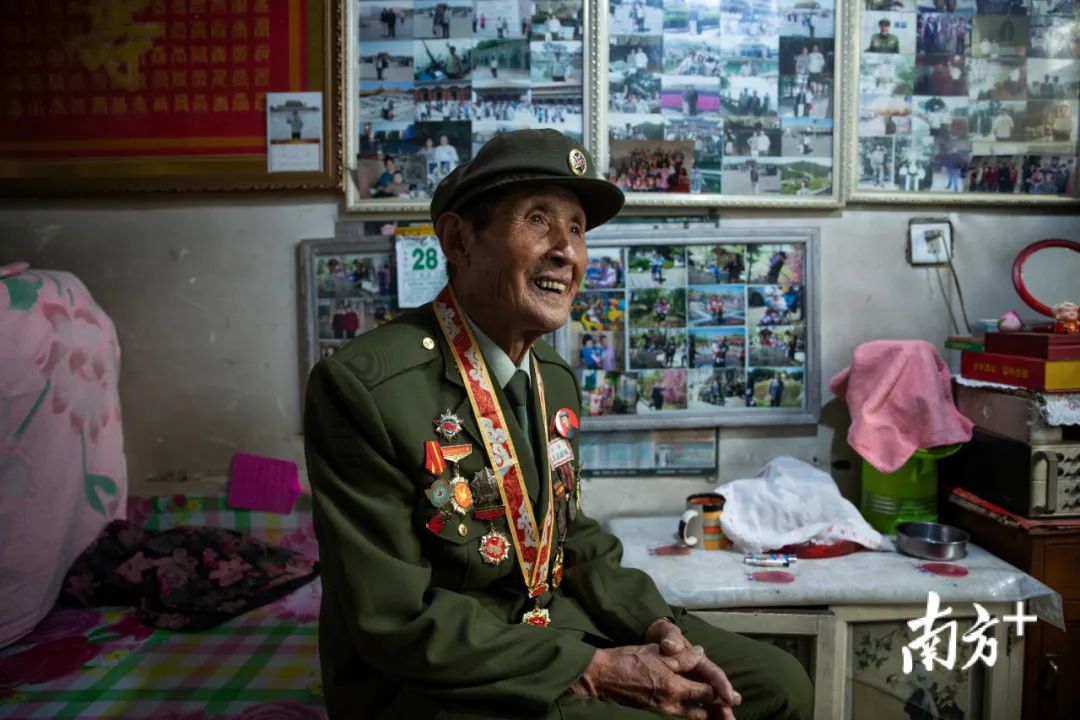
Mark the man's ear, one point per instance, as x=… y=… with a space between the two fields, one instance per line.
x=455 y=238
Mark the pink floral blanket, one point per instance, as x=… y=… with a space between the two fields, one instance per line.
x=61 y=446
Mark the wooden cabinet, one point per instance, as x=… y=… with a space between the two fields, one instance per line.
x=1052 y=555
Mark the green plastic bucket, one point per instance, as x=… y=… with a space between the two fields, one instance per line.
x=907 y=495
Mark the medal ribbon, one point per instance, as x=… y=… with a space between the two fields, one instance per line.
x=533 y=545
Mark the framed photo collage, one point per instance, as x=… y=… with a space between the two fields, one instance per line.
x=348 y=288
x=701 y=328
x=722 y=97
x=433 y=80
x=706 y=327
x=976 y=98
x=701 y=103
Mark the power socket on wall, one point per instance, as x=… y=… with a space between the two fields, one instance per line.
x=929 y=242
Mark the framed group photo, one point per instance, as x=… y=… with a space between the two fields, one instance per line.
x=428 y=82
x=965 y=101
x=719 y=102
x=680 y=326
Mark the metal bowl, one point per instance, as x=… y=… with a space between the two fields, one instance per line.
x=931 y=540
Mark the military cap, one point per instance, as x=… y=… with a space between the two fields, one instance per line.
x=532 y=157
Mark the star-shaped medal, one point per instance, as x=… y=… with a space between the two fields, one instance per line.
x=448 y=425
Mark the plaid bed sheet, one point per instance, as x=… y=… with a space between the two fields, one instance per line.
x=263 y=665
x=163 y=512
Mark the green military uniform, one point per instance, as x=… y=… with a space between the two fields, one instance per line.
x=415 y=624
x=887 y=43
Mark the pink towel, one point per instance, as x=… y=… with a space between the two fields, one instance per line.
x=900 y=397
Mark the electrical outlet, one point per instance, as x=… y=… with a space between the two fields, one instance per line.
x=929 y=243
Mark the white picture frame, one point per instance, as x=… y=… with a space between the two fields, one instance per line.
x=869 y=177
x=601 y=119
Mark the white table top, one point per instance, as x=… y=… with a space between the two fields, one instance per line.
x=714 y=579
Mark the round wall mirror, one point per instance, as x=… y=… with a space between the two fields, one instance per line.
x=1046 y=273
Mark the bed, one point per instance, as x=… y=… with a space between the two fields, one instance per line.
x=101 y=663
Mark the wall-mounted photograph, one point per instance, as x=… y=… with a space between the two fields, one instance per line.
x=701 y=326
x=719 y=79
x=966 y=101
x=427 y=82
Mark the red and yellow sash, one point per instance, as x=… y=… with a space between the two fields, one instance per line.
x=533 y=545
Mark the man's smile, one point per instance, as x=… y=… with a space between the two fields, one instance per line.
x=551 y=285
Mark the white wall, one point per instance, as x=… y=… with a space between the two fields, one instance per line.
x=203 y=293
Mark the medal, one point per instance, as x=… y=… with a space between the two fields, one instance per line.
x=460 y=495
x=448 y=425
x=438 y=493
x=566 y=477
x=532 y=536
x=556 y=573
x=561 y=522
x=456 y=453
x=559 y=452
x=565 y=423
x=434 y=461
x=437 y=523
x=494 y=547
x=540 y=617
x=486 y=499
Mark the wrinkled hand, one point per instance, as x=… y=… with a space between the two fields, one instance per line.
x=640 y=676
x=668 y=636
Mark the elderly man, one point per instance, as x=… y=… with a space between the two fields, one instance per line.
x=461 y=580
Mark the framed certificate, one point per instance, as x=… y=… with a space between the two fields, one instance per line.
x=169 y=96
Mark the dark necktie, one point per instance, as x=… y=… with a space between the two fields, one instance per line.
x=518 y=395
x=517 y=392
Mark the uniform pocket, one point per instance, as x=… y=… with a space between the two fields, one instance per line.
x=453 y=550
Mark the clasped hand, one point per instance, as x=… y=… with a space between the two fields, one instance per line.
x=667 y=674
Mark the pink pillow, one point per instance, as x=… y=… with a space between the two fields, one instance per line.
x=61 y=445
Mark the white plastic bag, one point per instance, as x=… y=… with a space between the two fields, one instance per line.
x=791 y=502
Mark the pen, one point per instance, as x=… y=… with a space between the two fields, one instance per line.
x=766 y=562
x=786 y=557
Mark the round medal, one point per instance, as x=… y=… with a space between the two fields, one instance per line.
x=438 y=493
x=494 y=547
x=565 y=423
x=460 y=495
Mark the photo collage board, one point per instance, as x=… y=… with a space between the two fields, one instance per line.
x=436 y=79
x=348 y=286
x=734 y=97
x=968 y=96
x=697 y=328
x=355 y=291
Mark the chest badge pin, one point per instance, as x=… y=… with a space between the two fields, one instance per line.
x=565 y=423
x=448 y=425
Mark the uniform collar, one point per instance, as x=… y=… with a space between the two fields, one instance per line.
x=499 y=363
